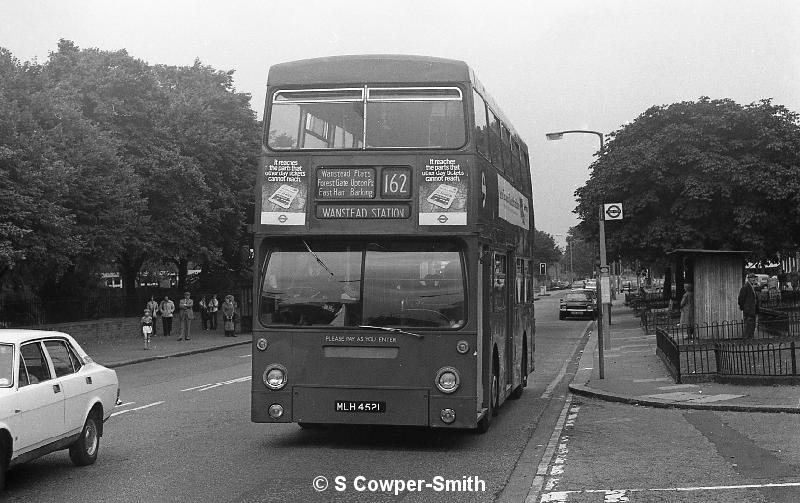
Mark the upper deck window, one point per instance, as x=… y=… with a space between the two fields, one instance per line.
x=369 y=118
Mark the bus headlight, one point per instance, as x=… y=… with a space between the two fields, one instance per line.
x=447 y=379
x=261 y=344
x=275 y=376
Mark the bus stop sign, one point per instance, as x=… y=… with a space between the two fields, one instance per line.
x=612 y=211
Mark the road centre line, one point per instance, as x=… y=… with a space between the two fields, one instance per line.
x=204 y=387
x=136 y=408
x=561 y=496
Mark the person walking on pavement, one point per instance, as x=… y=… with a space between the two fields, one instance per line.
x=167 y=307
x=687 y=310
x=229 y=316
x=748 y=303
x=213 y=307
x=152 y=306
x=186 y=314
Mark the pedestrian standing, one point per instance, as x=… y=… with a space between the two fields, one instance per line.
x=687 y=310
x=186 y=314
x=152 y=306
x=147 y=328
x=229 y=316
x=203 y=307
x=748 y=303
x=213 y=307
x=167 y=308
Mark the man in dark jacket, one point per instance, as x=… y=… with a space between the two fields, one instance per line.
x=748 y=303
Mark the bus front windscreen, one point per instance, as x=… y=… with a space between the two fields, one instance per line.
x=341 y=119
x=346 y=284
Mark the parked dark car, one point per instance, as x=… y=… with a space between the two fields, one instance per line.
x=578 y=303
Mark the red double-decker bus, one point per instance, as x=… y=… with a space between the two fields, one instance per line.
x=393 y=238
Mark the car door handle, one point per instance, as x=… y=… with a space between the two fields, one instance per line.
x=56 y=388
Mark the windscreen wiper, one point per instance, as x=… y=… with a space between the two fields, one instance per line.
x=316 y=257
x=394 y=330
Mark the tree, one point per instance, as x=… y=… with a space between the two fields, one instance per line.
x=707 y=174
x=65 y=199
x=545 y=248
x=215 y=134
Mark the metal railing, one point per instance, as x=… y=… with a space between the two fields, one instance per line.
x=714 y=350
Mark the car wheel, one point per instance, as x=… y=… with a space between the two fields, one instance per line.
x=84 y=451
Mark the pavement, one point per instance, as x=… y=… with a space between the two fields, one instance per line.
x=634 y=374
x=123 y=351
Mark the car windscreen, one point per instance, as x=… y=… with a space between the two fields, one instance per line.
x=577 y=297
x=6 y=365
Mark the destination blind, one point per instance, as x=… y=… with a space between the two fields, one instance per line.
x=346 y=183
x=363 y=211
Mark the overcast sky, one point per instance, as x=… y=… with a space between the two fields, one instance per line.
x=553 y=65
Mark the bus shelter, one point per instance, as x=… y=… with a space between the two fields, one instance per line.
x=716 y=277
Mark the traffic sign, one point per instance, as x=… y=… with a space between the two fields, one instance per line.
x=612 y=211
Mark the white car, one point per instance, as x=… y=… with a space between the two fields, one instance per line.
x=52 y=397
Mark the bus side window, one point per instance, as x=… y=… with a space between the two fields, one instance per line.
x=481 y=125
x=494 y=141
x=499 y=284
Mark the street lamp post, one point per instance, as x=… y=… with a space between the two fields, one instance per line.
x=604 y=276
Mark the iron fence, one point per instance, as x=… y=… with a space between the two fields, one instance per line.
x=771 y=359
x=714 y=350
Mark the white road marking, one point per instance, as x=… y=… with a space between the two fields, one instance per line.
x=549 y=452
x=657 y=379
x=245 y=356
x=136 y=408
x=204 y=387
x=548 y=391
x=617 y=494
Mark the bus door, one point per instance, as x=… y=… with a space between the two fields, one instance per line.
x=498 y=317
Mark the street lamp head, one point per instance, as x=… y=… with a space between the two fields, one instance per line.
x=554 y=136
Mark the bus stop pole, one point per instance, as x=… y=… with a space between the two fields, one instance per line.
x=602 y=287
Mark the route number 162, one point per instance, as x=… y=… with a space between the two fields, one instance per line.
x=396 y=182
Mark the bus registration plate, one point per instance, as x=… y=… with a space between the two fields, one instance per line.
x=360 y=406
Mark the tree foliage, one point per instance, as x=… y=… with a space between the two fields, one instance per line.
x=545 y=248
x=708 y=174
x=106 y=161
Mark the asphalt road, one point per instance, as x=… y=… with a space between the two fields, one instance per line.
x=184 y=434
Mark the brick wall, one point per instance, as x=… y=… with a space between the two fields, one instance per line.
x=99 y=331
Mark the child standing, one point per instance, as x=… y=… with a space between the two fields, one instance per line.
x=147 y=328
